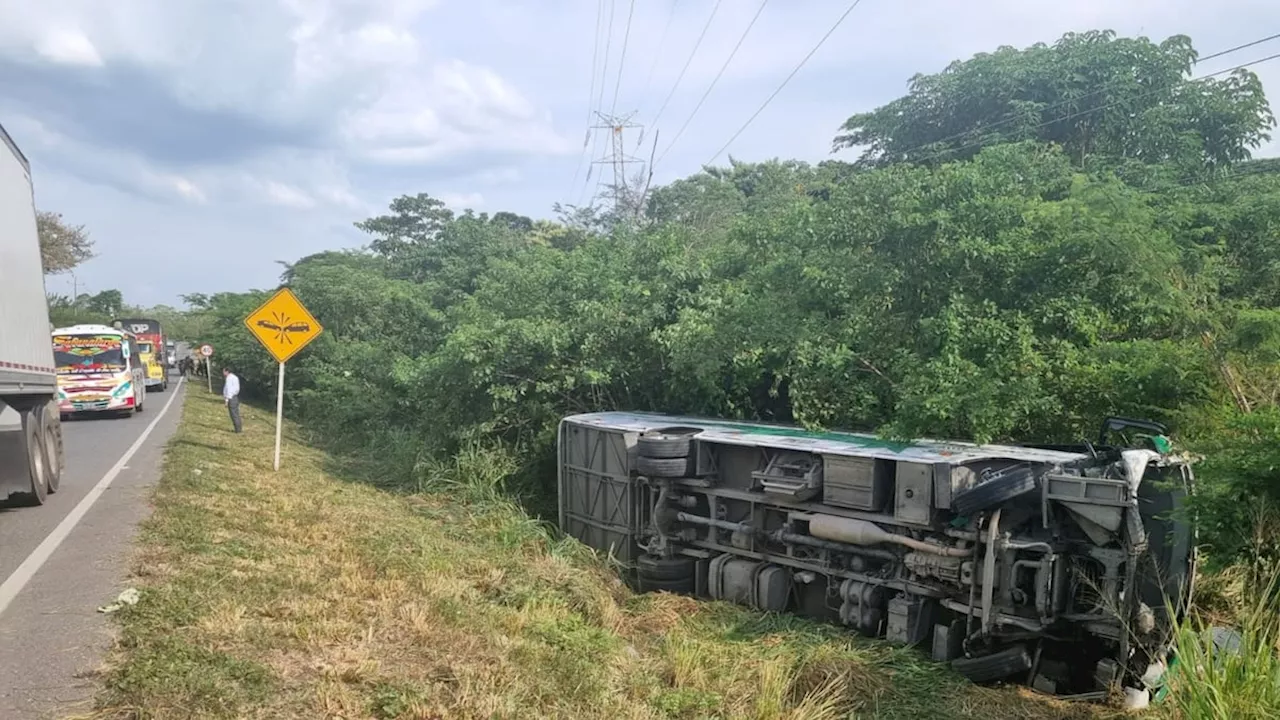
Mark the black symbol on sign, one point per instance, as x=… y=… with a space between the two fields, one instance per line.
x=282 y=327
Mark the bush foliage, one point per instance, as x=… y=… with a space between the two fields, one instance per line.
x=955 y=282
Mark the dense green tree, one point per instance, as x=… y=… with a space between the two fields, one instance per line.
x=1104 y=99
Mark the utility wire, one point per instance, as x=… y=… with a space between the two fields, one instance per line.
x=768 y=100
x=1237 y=48
x=1108 y=106
x=715 y=80
x=622 y=61
x=687 y=62
x=608 y=44
x=1104 y=89
x=657 y=53
x=604 y=75
x=591 y=93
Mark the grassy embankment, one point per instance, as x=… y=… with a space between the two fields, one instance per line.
x=300 y=594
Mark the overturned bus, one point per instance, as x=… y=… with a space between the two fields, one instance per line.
x=1054 y=566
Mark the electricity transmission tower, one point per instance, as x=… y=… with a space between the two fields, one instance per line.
x=617 y=156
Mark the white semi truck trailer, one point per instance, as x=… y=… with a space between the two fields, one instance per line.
x=31 y=454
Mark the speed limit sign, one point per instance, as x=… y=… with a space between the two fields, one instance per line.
x=206 y=350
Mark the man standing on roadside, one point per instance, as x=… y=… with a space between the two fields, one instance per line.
x=231 y=396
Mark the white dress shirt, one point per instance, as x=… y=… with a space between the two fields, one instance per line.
x=231 y=386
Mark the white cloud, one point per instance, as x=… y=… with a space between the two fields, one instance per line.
x=461 y=201
x=188 y=189
x=284 y=195
x=68 y=46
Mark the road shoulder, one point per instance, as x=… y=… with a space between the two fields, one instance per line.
x=52 y=638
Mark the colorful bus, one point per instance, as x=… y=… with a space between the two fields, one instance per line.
x=99 y=370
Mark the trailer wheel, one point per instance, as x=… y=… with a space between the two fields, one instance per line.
x=994 y=491
x=662 y=467
x=37 y=471
x=996 y=666
x=52 y=448
x=668 y=443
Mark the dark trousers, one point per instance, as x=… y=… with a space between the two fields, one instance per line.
x=233 y=407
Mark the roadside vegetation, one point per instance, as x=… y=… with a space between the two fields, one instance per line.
x=1027 y=242
x=303 y=594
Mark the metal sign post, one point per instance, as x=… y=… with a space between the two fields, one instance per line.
x=283 y=326
x=207 y=351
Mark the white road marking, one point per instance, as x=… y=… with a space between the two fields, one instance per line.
x=38 y=557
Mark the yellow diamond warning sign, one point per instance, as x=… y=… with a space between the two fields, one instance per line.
x=283 y=325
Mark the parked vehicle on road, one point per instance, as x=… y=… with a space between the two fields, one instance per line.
x=151 y=346
x=99 y=371
x=31 y=453
x=155 y=372
x=1047 y=565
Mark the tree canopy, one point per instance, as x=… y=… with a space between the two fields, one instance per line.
x=1102 y=98
x=62 y=246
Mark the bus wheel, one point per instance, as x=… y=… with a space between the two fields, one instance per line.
x=37 y=471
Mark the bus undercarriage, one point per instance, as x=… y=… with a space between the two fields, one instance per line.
x=1056 y=567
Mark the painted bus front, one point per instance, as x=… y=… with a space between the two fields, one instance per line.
x=99 y=370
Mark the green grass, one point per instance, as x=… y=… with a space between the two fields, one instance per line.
x=302 y=594
x=1212 y=680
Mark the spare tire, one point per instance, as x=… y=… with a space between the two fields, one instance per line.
x=1005 y=486
x=664 y=444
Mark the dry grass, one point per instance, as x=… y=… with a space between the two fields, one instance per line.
x=300 y=595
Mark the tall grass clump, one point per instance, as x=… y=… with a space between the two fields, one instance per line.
x=477 y=472
x=1218 y=674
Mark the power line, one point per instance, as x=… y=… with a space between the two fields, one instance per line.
x=622 y=61
x=1108 y=106
x=687 y=62
x=657 y=53
x=715 y=80
x=1011 y=117
x=607 y=46
x=604 y=75
x=1237 y=48
x=591 y=93
x=759 y=110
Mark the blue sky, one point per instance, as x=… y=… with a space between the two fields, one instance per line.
x=200 y=141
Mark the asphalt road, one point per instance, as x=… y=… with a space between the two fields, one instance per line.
x=52 y=638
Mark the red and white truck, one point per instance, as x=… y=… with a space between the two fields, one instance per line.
x=30 y=430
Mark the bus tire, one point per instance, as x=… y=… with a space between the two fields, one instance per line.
x=663 y=467
x=33 y=445
x=53 y=451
